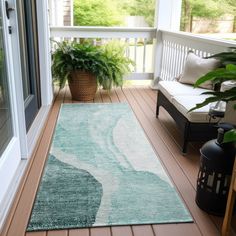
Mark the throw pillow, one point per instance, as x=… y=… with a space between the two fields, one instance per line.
x=195 y=67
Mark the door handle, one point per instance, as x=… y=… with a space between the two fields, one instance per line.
x=8 y=9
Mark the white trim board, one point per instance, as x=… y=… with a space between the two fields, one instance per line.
x=44 y=52
x=8 y=199
x=35 y=130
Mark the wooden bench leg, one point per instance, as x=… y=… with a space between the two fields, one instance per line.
x=157 y=111
x=186 y=138
x=158 y=105
x=184 y=147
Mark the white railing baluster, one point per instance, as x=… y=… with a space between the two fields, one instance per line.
x=169 y=61
x=94 y=42
x=127 y=48
x=163 y=59
x=182 y=61
x=172 y=59
x=175 y=60
x=164 y=62
x=135 y=54
x=144 y=54
x=178 y=59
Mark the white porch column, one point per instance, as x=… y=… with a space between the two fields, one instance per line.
x=167 y=17
x=168 y=13
x=56 y=13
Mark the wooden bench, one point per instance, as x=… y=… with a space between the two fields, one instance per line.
x=177 y=99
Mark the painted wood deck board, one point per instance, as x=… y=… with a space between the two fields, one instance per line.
x=79 y=232
x=103 y=231
x=44 y=233
x=57 y=233
x=141 y=230
x=121 y=231
x=176 y=229
x=165 y=139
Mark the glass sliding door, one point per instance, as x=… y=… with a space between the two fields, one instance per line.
x=6 y=129
x=10 y=149
x=29 y=58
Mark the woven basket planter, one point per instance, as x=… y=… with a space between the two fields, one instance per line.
x=83 y=85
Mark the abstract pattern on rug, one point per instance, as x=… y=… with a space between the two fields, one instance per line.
x=102 y=171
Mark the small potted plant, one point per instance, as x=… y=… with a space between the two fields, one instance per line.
x=85 y=65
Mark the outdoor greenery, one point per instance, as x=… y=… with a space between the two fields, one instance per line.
x=119 y=65
x=144 y=8
x=107 y=62
x=111 y=12
x=73 y=56
x=96 y=13
x=207 y=9
x=227 y=72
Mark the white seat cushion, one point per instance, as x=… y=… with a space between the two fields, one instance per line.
x=174 y=88
x=185 y=103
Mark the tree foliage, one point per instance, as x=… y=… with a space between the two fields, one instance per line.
x=207 y=9
x=144 y=8
x=111 y=12
x=231 y=6
x=96 y=13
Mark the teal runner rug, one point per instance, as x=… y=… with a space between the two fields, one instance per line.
x=102 y=171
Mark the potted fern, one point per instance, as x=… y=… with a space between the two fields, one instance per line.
x=85 y=66
x=119 y=65
x=80 y=65
x=227 y=72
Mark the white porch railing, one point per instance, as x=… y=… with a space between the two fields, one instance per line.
x=173 y=47
x=157 y=54
x=139 y=41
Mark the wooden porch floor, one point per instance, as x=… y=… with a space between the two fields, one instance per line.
x=165 y=139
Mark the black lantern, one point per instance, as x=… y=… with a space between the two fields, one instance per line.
x=216 y=165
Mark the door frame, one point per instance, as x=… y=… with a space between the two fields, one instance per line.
x=28 y=140
x=28 y=30
x=46 y=83
x=11 y=156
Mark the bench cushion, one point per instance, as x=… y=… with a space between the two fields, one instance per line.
x=195 y=67
x=185 y=103
x=174 y=88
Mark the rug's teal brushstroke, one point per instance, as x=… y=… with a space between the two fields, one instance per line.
x=101 y=171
